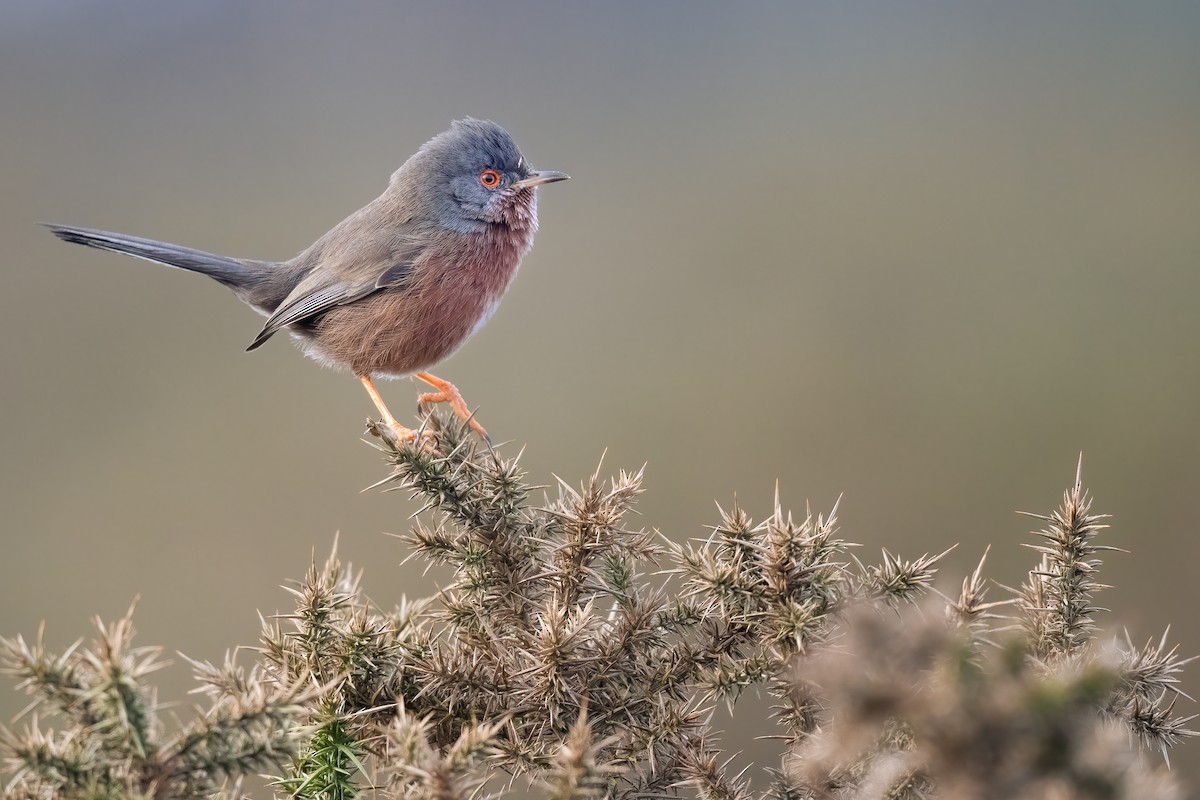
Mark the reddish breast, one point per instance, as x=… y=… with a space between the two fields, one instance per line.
x=455 y=288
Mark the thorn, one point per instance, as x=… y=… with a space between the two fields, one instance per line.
x=836 y=505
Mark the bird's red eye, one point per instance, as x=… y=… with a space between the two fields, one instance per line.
x=490 y=178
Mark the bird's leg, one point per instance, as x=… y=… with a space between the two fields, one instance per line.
x=448 y=393
x=403 y=434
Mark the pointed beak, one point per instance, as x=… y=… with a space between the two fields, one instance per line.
x=538 y=177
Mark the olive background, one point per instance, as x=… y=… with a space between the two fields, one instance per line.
x=919 y=255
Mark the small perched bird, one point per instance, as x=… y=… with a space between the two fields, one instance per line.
x=403 y=282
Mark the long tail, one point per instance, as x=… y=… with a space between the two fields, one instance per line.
x=243 y=277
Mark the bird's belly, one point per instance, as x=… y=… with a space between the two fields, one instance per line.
x=397 y=333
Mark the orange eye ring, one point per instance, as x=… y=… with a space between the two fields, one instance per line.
x=489 y=178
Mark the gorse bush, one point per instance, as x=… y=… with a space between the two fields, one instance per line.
x=575 y=656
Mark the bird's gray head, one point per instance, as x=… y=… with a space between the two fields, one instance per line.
x=476 y=177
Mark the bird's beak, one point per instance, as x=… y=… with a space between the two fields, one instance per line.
x=538 y=177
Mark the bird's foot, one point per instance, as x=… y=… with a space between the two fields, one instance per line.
x=392 y=431
x=388 y=428
x=448 y=393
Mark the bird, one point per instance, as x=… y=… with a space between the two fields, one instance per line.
x=399 y=285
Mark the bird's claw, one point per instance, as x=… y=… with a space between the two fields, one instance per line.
x=452 y=398
x=397 y=435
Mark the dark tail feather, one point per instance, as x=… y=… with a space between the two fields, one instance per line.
x=231 y=272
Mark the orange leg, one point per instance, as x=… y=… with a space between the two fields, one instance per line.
x=448 y=393
x=403 y=434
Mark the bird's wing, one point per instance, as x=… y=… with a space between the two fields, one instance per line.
x=321 y=291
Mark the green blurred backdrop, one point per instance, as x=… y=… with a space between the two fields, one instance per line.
x=918 y=253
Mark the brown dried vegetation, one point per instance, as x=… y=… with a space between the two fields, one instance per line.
x=581 y=657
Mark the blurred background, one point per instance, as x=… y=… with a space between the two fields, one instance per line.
x=921 y=254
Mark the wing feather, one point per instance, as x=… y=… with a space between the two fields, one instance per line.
x=306 y=307
x=310 y=299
